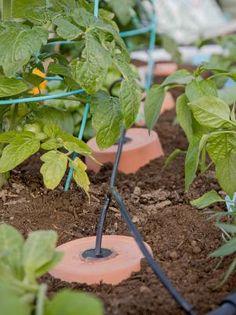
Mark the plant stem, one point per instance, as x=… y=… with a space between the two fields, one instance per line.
x=6 y=9
x=14 y=116
x=41 y=297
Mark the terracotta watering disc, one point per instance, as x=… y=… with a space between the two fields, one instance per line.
x=165 y=69
x=124 y=259
x=168 y=104
x=138 y=150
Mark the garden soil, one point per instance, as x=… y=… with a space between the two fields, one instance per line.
x=181 y=236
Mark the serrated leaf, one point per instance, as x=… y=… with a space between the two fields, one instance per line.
x=153 y=104
x=130 y=98
x=197 y=89
x=10 y=87
x=11 y=246
x=66 y=29
x=18 y=44
x=181 y=77
x=39 y=250
x=206 y=200
x=184 y=116
x=54 y=168
x=91 y=71
x=107 y=119
x=73 y=303
x=211 y=111
x=20 y=149
x=80 y=176
x=226 y=173
x=225 y=250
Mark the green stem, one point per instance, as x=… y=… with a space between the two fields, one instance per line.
x=13 y=117
x=41 y=299
x=6 y=9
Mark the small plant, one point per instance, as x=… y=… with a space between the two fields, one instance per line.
x=207 y=117
x=25 y=29
x=21 y=264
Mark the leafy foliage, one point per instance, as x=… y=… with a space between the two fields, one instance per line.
x=208 y=122
x=22 y=263
x=25 y=29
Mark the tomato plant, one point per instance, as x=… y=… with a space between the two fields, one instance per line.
x=25 y=29
x=22 y=262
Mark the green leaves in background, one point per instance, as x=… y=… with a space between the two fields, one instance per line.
x=153 y=104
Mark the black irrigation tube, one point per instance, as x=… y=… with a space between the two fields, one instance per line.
x=228 y=305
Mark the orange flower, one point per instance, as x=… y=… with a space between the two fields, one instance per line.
x=42 y=86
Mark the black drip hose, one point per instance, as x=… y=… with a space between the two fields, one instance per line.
x=228 y=306
x=188 y=308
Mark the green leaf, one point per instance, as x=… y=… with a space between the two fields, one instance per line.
x=226 y=173
x=11 y=246
x=107 y=119
x=74 y=144
x=20 y=148
x=173 y=156
x=211 y=111
x=91 y=71
x=12 y=304
x=153 y=104
x=206 y=200
x=130 y=98
x=181 y=77
x=122 y=9
x=7 y=137
x=18 y=44
x=10 y=87
x=54 y=168
x=39 y=250
x=21 y=8
x=48 y=266
x=184 y=116
x=225 y=250
x=229 y=228
x=192 y=158
x=72 y=303
x=51 y=144
x=230 y=271
x=197 y=89
x=80 y=175
x=66 y=29
x=221 y=144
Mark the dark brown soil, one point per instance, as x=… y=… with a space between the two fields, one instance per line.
x=180 y=236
